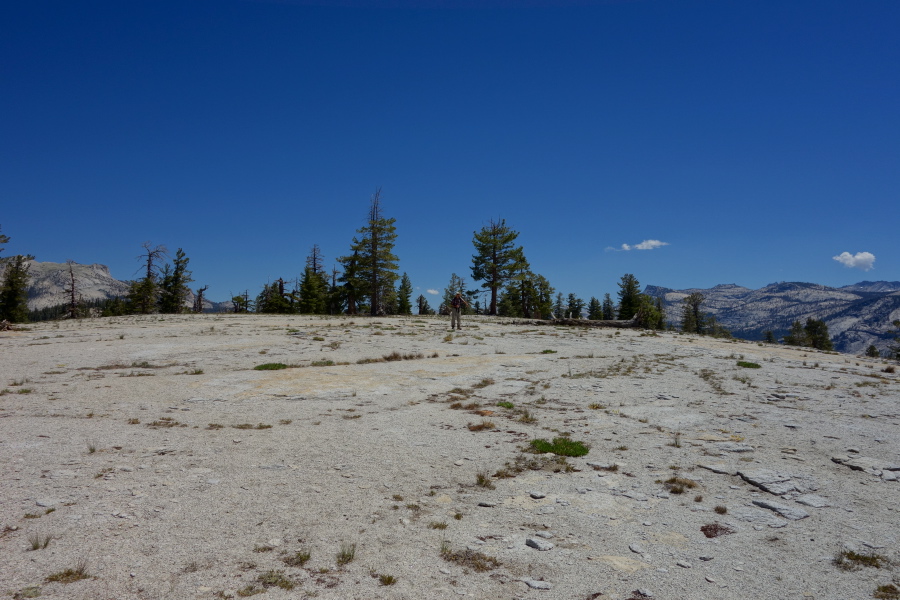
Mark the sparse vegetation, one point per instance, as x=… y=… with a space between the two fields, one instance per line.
x=70 y=575
x=275 y=578
x=721 y=510
x=297 y=559
x=38 y=541
x=748 y=365
x=270 y=367
x=714 y=530
x=483 y=479
x=346 y=554
x=469 y=558
x=849 y=560
x=560 y=446
x=887 y=592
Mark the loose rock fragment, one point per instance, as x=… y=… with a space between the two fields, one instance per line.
x=537 y=544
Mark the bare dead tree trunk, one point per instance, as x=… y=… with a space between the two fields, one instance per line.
x=72 y=292
x=198 y=299
x=315 y=259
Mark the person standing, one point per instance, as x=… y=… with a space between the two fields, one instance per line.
x=456 y=306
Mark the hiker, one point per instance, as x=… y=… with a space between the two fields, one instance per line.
x=455 y=309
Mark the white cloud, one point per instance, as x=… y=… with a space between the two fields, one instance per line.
x=645 y=245
x=860 y=260
x=433 y=292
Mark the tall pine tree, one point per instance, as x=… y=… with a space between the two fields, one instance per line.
x=174 y=284
x=404 y=296
x=629 y=296
x=496 y=260
x=374 y=261
x=609 y=309
x=13 y=290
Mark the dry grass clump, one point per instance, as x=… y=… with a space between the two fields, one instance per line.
x=346 y=554
x=274 y=578
x=678 y=485
x=714 y=530
x=483 y=479
x=469 y=558
x=887 y=592
x=297 y=559
x=485 y=424
x=165 y=422
x=848 y=560
x=557 y=464
x=70 y=575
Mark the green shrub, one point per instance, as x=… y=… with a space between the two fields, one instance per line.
x=270 y=367
x=747 y=365
x=560 y=446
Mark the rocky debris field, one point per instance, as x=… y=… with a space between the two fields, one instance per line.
x=225 y=456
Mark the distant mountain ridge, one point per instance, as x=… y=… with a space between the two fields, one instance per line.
x=857 y=315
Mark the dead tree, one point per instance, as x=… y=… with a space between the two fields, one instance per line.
x=314 y=260
x=73 y=298
x=198 y=299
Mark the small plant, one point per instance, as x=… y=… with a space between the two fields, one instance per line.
x=285 y=421
x=676 y=439
x=560 y=446
x=250 y=590
x=214 y=426
x=387 y=579
x=621 y=448
x=297 y=559
x=346 y=554
x=848 y=560
x=484 y=383
x=322 y=363
x=677 y=485
x=596 y=406
x=482 y=426
x=438 y=525
x=38 y=541
x=134 y=421
x=469 y=558
x=548 y=351
x=721 y=510
x=503 y=404
x=91 y=447
x=274 y=578
x=699 y=498
x=609 y=468
x=889 y=369
x=318 y=339
x=262 y=548
x=458 y=516
x=887 y=592
x=70 y=575
x=270 y=367
x=747 y=365
x=714 y=530
x=483 y=479
x=527 y=417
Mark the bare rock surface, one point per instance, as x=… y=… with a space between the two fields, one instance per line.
x=151 y=452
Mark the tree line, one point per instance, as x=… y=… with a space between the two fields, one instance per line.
x=369 y=282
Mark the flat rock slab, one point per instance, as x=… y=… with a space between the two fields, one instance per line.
x=734 y=447
x=779 y=482
x=538 y=544
x=754 y=516
x=812 y=500
x=788 y=512
x=537 y=585
x=867 y=464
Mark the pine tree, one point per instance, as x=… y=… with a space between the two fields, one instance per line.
x=595 y=310
x=242 y=303
x=609 y=309
x=650 y=314
x=496 y=260
x=14 y=290
x=352 y=284
x=769 y=337
x=528 y=295
x=404 y=296
x=422 y=305
x=313 y=293
x=559 y=307
x=872 y=351
x=375 y=262
x=574 y=306
x=796 y=336
x=817 y=334
x=198 y=299
x=273 y=299
x=174 y=285
x=315 y=259
x=143 y=293
x=629 y=296
x=692 y=320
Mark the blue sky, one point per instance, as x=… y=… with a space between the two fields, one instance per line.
x=755 y=140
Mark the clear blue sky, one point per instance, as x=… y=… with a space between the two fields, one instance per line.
x=756 y=139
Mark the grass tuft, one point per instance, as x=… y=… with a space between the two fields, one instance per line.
x=270 y=367
x=70 y=575
x=346 y=554
x=560 y=446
